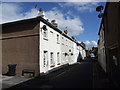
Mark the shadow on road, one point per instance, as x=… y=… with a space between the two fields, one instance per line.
x=85 y=74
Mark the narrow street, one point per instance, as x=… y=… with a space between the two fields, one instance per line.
x=80 y=75
x=64 y=44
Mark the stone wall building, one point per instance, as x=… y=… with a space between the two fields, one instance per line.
x=36 y=44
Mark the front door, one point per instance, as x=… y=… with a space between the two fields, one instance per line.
x=114 y=64
x=45 y=61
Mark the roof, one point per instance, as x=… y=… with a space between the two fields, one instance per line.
x=37 y=19
x=32 y=19
x=68 y=37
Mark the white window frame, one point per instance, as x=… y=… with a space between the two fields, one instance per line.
x=45 y=58
x=58 y=39
x=58 y=57
x=45 y=33
x=51 y=58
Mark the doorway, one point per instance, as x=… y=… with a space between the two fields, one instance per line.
x=45 y=61
x=114 y=65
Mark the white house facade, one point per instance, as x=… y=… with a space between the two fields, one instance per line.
x=37 y=45
x=56 y=48
x=50 y=48
x=101 y=48
x=83 y=53
x=67 y=49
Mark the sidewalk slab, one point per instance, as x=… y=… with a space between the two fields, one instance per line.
x=40 y=81
x=9 y=81
x=100 y=78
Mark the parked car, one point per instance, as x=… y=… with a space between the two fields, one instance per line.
x=92 y=56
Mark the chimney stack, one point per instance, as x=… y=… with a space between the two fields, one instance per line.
x=41 y=13
x=66 y=32
x=54 y=23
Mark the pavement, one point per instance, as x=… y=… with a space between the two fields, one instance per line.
x=9 y=81
x=78 y=75
x=86 y=74
x=100 y=78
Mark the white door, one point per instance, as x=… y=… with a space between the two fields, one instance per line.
x=45 y=61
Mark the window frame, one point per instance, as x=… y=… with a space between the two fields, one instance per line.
x=45 y=33
x=58 y=39
x=58 y=57
x=51 y=58
x=45 y=58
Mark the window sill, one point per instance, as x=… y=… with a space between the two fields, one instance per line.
x=52 y=66
x=58 y=64
x=45 y=39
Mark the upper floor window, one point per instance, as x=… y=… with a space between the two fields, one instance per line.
x=57 y=38
x=45 y=58
x=51 y=35
x=45 y=31
x=45 y=34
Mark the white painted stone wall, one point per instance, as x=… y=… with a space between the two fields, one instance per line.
x=83 y=53
x=76 y=52
x=49 y=45
x=66 y=47
x=101 y=50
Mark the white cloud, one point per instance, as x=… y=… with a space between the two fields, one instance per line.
x=94 y=43
x=83 y=0
x=74 y=26
x=11 y=12
x=87 y=42
x=58 y=0
x=0 y=13
x=91 y=43
x=14 y=13
x=81 y=6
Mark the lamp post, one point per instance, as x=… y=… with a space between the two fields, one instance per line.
x=99 y=9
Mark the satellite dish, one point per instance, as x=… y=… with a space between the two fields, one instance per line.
x=99 y=8
x=44 y=27
x=100 y=15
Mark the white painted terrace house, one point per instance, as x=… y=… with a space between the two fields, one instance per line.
x=56 y=47
x=38 y=45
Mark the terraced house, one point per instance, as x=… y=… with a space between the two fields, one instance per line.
x=37 y=44
x=109 y=41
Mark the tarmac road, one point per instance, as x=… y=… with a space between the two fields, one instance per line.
x=80 y=75
x=74 y=76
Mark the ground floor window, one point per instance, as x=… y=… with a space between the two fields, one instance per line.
x=52 y=58
x=45 y=58
x=58 y=57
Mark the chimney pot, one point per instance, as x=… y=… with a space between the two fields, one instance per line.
x=54 y=23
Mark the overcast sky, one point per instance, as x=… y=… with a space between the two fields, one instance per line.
x=80 y=18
